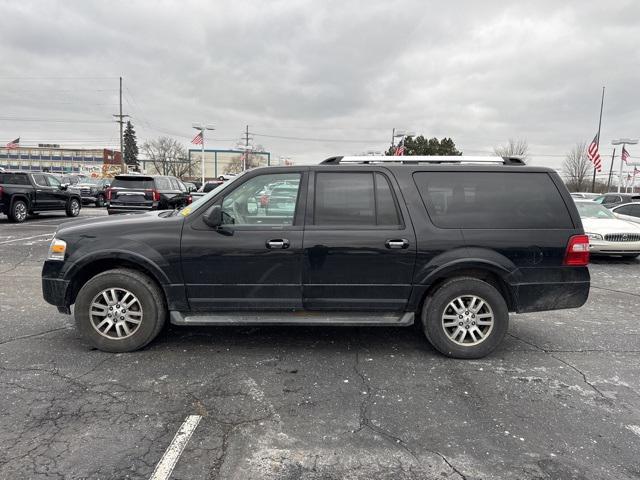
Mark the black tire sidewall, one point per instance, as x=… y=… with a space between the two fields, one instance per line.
x=153 y=318
x=70 y=210
x=12 y=215
x=434 y=308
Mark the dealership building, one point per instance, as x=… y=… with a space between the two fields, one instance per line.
x=52 y=158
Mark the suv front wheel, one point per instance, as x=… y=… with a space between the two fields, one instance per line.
x=465 y=318
x=120 y=310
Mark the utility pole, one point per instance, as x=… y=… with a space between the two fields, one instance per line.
x=120 y=120
x=246 y=148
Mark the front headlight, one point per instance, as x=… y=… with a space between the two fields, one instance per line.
x=594 y=236
x=57 y=249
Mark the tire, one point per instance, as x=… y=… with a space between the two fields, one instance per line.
x=73 y=208
x=469 y=340
x=19 y=211
x=100 y=201
x=150 y=310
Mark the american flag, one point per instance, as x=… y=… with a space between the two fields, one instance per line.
x=594 y=155
x=197 y=140
x=625 y=155
x=14 y=144
x=400 y=148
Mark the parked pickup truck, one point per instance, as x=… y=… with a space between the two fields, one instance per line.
x=451 y=243
x=26 y=193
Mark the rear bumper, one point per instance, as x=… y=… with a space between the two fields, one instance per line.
x=550 y=296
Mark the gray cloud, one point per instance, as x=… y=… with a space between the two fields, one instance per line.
x=480 y=72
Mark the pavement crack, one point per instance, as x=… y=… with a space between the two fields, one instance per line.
x=33 y=335
x=584 y=377
x=616 y=291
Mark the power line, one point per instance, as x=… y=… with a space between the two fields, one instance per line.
x=50 y=120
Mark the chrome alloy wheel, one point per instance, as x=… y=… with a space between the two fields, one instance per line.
x=115 y=313
x=467 y=320
x=20 y=211
x=75 y=208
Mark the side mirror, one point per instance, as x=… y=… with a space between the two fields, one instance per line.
x=64 y=186
x=213 y=216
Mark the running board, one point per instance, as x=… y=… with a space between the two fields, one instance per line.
x=295 y=318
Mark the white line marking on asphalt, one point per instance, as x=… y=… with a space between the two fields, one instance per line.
x=172 y=454
x=635 y=429
x=26 y=238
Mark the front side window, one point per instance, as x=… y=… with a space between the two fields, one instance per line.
x=53 y=181
x=263 y=200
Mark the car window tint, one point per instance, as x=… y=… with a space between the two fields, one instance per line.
x=256 y=201
x=134 y=183
x=163 y=183
x=633 y=210
x=492 y=200
x=386 y=209
x=14 y=179
x=53 y=181
x=40 y=180
x=344 y=199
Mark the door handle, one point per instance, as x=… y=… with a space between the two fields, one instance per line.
x=397 y=243
x=278 y=243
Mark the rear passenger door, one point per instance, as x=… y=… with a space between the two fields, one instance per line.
x=359 y=245
x=45 y=195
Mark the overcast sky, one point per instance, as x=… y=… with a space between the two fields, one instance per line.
x=344 y=73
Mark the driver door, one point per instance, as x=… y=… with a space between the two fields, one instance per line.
x=254 y=260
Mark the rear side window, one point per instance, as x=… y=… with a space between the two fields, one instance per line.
x=354 y=199
x=633 y=210
x=134 y=183
x=492 y=200
x=163 y=183
x=13 y=179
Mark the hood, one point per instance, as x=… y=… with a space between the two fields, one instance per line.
x=115 y=223
x=609 y=225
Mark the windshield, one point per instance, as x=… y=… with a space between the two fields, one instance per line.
x=593 y=210
x=204 y=199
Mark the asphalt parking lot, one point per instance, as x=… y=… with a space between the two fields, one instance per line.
x=560 y=399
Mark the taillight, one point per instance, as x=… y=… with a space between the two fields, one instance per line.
x=156 y=195
x=107 y=194
x=1 y=191
x=189 y=200
x=577 y=253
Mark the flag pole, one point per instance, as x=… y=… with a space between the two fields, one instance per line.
x=202 y=156
x=621 y=166
x=593 y=182
x=613 y=158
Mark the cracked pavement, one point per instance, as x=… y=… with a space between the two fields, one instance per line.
x=560 y=399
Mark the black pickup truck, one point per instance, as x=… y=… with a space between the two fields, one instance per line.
x=25 y=193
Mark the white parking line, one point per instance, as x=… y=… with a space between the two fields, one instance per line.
x=635 y=429
x=172 y=454
x=26 y=238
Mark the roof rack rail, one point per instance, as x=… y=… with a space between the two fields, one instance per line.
x=418 y=159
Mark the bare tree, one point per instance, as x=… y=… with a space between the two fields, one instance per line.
x=167 y=156
x=515 y=148
x=576 y=168
x=238 y=162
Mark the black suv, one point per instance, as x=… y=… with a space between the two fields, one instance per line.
x=454 y=244
x=139 y=193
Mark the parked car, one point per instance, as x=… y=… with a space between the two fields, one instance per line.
x=608 y=234
x=611 y=199
x=93 y=190
x=627 y=211
x=585 y=195
x=191 y=187
x=141 y=193
x=23 y=194
x=453 y=243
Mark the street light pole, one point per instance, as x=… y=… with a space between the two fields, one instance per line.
x=624 y=142
x=202 y=127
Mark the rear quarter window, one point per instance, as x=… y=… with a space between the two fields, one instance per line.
x=133 y=183
x=14 y=179
x=492 y=200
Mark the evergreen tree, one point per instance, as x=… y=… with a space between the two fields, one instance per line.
x=130 y=146
x=427 y=146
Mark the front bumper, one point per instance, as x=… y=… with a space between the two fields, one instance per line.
x=54 y=291
x=604 y=247
x=87 y=199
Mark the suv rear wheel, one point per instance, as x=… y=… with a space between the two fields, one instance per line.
x=120 y=310
x=465 y=318
x=19 y=211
